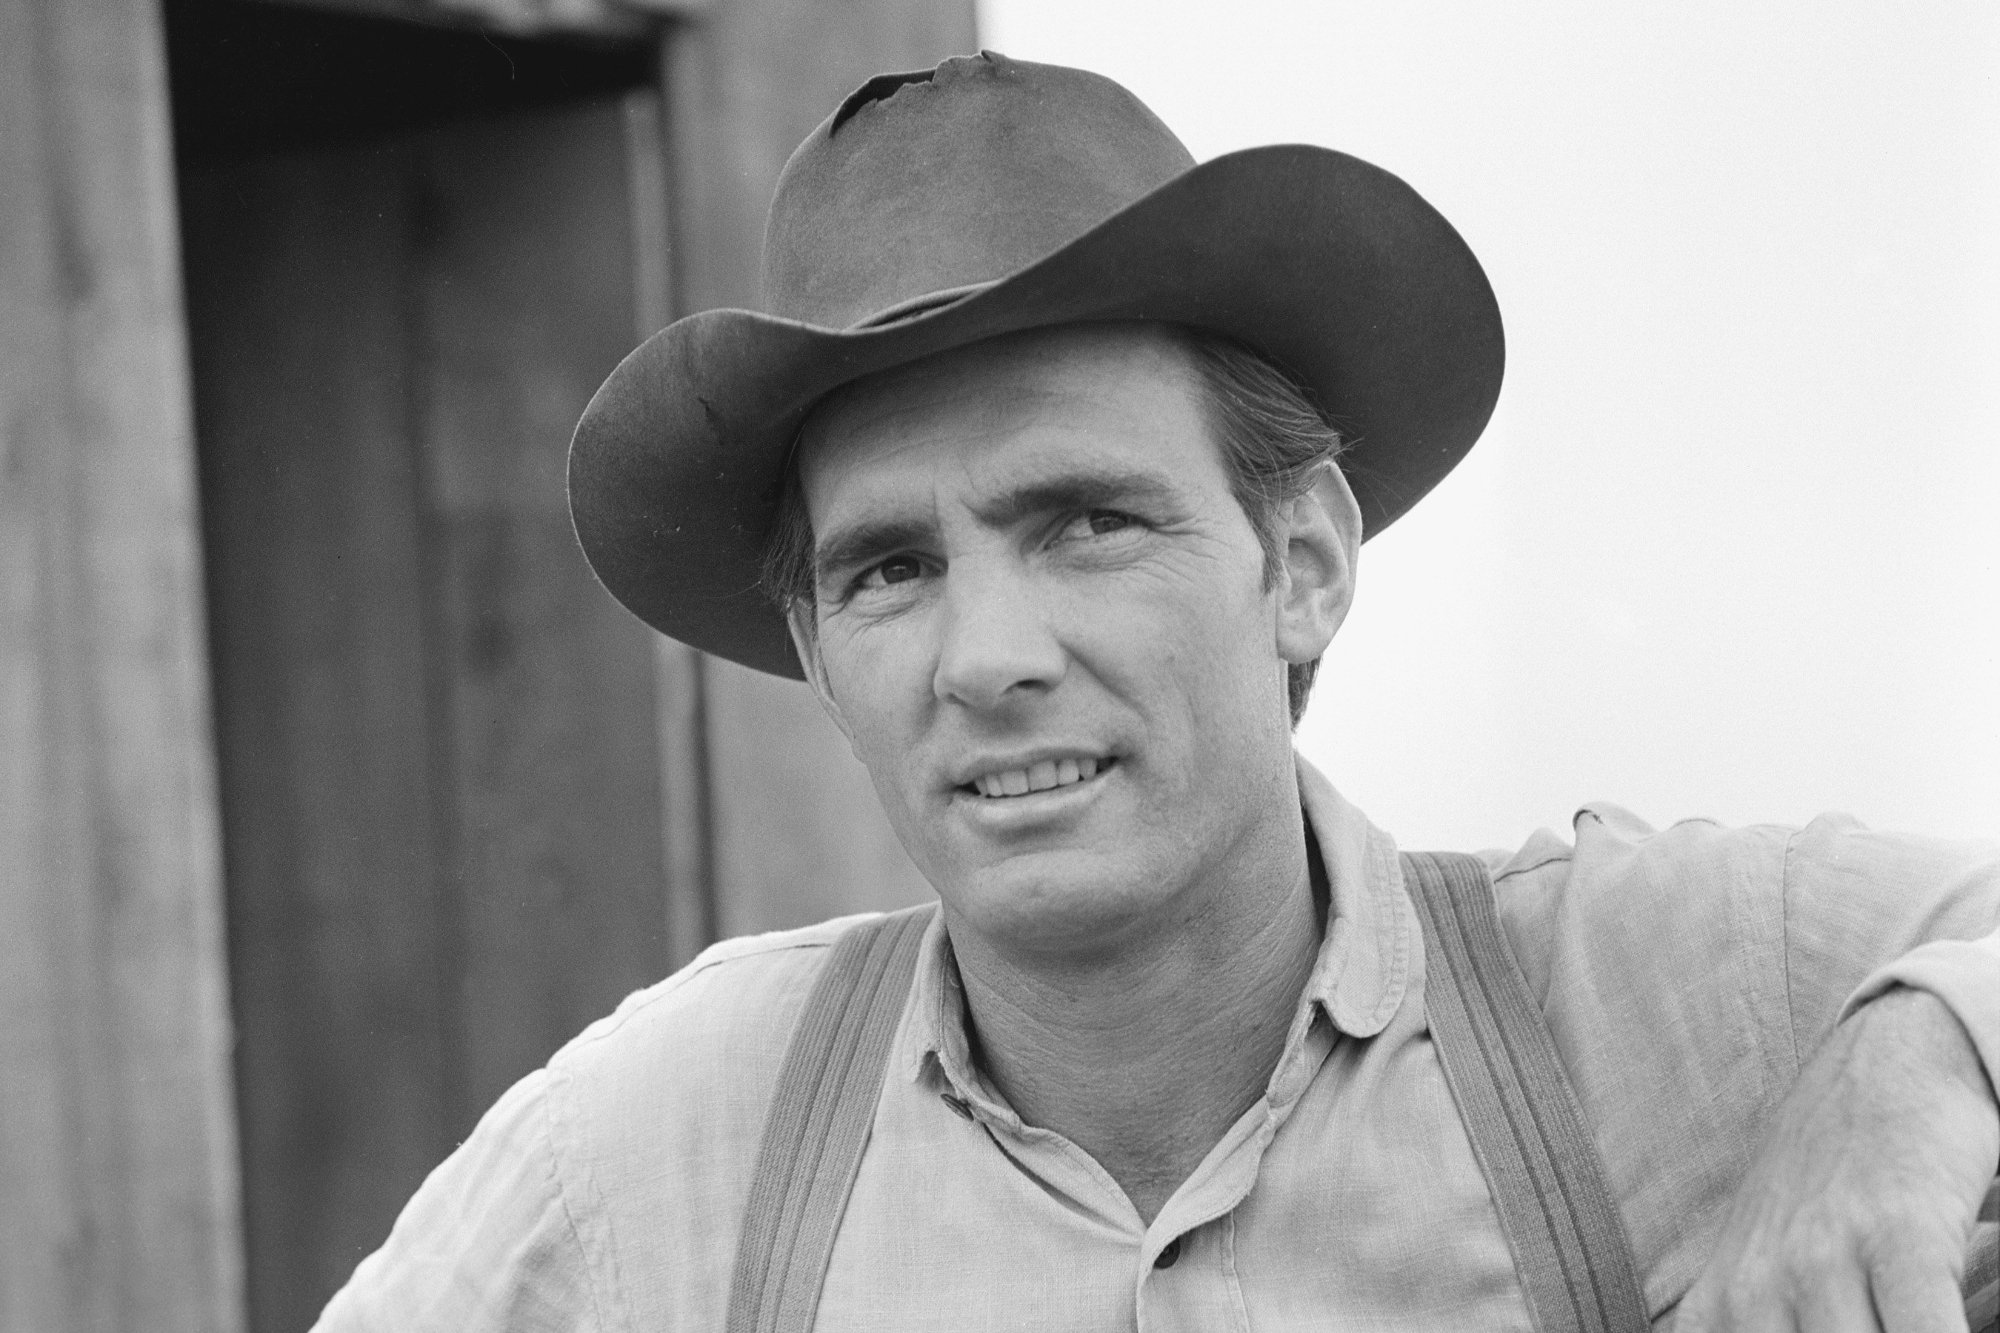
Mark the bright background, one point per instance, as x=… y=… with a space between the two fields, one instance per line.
x=1728 y=546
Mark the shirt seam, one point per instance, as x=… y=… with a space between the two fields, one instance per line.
x=1552 y=859
x=1785 y=945
x=562 y=1201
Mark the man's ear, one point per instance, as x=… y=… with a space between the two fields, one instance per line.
x=1321 y=535
x=805 y=642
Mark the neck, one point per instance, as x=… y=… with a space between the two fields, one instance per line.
x=1145 y=1058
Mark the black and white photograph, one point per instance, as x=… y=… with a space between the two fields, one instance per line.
x=1051 y=665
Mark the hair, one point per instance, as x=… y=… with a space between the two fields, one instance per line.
x=1273 y=437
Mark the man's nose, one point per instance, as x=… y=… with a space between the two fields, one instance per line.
x=998 y=644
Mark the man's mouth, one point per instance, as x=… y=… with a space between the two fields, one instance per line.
x=1047 y=775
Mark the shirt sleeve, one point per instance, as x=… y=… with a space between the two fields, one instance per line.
x=1867 y=911
x=486 y=1244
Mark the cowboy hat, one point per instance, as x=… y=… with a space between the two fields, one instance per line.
x=989 y=196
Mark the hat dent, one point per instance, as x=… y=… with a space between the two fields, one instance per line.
x=960 y=177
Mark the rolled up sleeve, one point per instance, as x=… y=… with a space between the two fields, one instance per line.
x=1965 y=974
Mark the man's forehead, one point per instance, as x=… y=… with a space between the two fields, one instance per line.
x=1057 y=395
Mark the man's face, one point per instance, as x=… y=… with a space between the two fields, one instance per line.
x=1043 y=624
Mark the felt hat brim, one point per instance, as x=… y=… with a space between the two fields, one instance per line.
x=1334 y=268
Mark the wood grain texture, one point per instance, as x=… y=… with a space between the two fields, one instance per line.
x=117 y=1142
x=437 y=734
x=798 y=833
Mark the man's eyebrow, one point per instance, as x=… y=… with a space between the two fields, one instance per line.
x=870 y=539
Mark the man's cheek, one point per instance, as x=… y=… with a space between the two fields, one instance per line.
x=873 y=674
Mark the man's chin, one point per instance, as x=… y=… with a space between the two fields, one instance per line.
x=1065 y=902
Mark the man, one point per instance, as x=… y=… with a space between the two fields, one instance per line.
x=1054 y=463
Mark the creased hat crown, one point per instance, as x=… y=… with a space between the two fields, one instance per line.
x=929 y=183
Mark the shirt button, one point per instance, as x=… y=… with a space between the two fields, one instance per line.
x=957 y=1104
x=1170 y=1254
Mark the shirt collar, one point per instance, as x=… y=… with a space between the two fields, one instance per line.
x=1358 y=981
x=1364 y=960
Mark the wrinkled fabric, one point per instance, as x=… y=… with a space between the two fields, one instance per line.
x=1686 y=973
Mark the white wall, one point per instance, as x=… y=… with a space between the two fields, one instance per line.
x=1728 y=546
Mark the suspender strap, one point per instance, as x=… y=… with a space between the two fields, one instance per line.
x=1519 y=1109
x=819 y=1121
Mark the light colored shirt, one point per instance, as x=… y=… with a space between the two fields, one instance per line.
x=1685 y=974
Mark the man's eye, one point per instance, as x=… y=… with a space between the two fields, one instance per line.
x=1095 y=523
x=1107 y=520
x=896 y=569
x=1098 y=523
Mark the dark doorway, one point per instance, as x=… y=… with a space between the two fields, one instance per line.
x=410 y=257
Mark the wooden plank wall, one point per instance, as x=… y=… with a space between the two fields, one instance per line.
x=438 y=754
x=797 y=833
x=117 y=1144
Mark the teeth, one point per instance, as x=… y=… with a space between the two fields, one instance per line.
x=1043 y=776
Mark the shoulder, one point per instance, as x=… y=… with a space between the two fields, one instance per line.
x=722 y=1021
x=655 y=1114
x=1704 y=881
x=1612 y=843
x=1838 y=854
x=612 y=1178
x=1619 y=883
